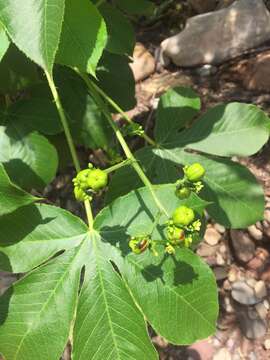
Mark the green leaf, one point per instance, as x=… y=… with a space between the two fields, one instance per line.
x=40 y=232
x=25 y=156
x=227 y=130
x=36 y=113
x=237 y=198
x=83 y=37
x=4 y=42
x=108 y=324
x=112 y=70
x=37 y=312
x=16 y=71
x=177 y=294
x=34 y=27
x=137 y=7
x=121 y=36
x=11 y=196
x=175 y=109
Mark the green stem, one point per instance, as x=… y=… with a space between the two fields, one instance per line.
x=71 y=145
x=100 y=2
x=123 y=143
x=120 y=111
x=118 y=166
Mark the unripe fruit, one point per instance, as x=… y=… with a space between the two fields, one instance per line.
x=79 y=194
x=97 y=179
x=194 y=172
x=81 y=179
x=175 y=235
x=138 y=245
x=183 y=216
x=183 y=193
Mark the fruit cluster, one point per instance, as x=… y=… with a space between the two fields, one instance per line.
x=183 y=228
x=88 y=182
x=191 y=181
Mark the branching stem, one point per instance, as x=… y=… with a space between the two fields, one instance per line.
x=122 y=141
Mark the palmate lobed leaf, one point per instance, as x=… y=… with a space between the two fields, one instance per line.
x=108 y=324
x=237 y=198
x=11 y=196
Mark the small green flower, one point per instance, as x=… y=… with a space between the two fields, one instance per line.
x=175 y=235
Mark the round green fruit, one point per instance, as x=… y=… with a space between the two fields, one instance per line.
x=183 y=216
x=97 y=179
x=175 y=235
x=82 y=178
x=183 y=193
x=195 y=172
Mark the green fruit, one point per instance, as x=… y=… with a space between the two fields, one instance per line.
x=139 y=244
x=79 y=194
x=183 y=216
x=194 y=172
x=183 y=193
x=97 y=179
x=175 y=235
x=81 y=179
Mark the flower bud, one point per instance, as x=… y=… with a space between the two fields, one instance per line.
x=182 y=193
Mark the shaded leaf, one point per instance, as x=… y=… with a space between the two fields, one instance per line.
x=16 y=71
x=83 y=37
x=137 y=7
x=24 y=155
x=116 y=80
x=42 y=230
x=11 y=196
x=175 y=109
x=121 y=36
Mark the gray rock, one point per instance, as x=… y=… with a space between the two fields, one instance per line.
x=221 y=35
x=244 y=294
x=252 y=326
x=244 y=247
x=260 y=289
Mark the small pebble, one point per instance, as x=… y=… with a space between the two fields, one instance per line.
x=266 y=344
x=256 y=233
x=220 y=228
x=212 y=236
x=232 y=276
x=244 y=247
x=223 y=249
x=261 y=310
x=243 y=293
x=267 y=215
x=266 y=304
x=220 y=260
x=222 y=354
x=260 y=289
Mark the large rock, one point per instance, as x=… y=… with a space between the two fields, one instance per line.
x=143 y=63
x=221 y=35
